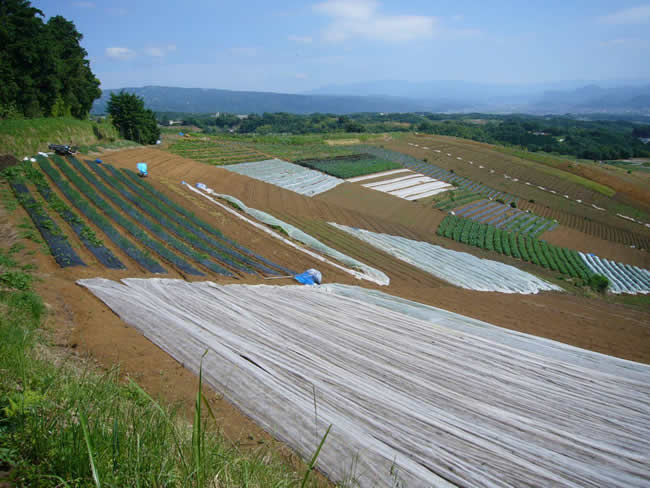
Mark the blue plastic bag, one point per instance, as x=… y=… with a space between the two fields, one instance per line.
x=309 y=277
x=142 y=168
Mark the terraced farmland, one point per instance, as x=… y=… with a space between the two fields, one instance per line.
x=505 y=217
x=349 y=166
x=146 y=228
x=288 y=175
x=215 y=151
x=460 y=269
x=527 y=180
x=521 y=245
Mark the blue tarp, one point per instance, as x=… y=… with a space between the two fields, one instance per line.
x=98 y=161
x=142 y=168
x=309 y=277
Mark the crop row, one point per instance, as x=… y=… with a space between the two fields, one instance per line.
x=180 y=226
x=143 y=222
x=350 y=166
x=85 y=234
x=55 y=239
x=436 y=172
x=83 y=205
x=211 y=234
x=456 y=198
x=506 y=217
x=516 y=245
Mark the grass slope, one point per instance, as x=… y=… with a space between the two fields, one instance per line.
x=25 y=137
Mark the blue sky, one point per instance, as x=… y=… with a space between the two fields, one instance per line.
x=295 y=46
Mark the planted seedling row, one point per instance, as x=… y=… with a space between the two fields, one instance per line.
x=128 y=209
x=85 y=234
x=202 y=224
x=181 y=226
x=100 y=221
x=519 y=246
x=167 y=224
x=55 y=239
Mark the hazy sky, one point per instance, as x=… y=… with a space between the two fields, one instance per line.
x=294 y=46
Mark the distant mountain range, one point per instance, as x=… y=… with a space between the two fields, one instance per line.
x=402 y=96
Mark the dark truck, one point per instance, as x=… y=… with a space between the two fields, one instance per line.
x=63 y=150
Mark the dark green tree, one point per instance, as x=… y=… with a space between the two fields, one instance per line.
x=43 y=68
x=132 y=119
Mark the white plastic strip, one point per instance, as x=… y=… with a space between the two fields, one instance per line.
x=403 y=184
x=458 y=268
x=375 y=277
x=431 y=397
x=375 y=184
x=414 y=190
x=427 y=194
x=377 y=175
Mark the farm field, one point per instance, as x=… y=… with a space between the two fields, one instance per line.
x=565 y=317
x=211 y=150
x=288 y=176
x=576 y=320
x=351 y=363
x=525 y=180
x=522 y=245
x=349 y=166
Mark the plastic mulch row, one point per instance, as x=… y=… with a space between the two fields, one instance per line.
x=59 y=246
x=164 y=220
x=157 y=225
x=101 y=252
x=100 y=221
x=203 y=225
x=184 y=227
x=138 y=233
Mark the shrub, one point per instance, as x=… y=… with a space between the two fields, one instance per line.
x=598 y=282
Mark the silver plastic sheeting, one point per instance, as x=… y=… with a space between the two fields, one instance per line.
x=622 y=278
x=287 y=175
x=359 y=273
x=424 y=395
x=458 y=268
x=377 y=276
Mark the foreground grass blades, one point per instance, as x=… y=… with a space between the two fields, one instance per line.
x=63 y=424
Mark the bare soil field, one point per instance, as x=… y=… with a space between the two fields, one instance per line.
x=562 y=317
x=567 y=237
x=83 y=324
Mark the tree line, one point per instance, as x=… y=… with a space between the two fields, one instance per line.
x=43 y=68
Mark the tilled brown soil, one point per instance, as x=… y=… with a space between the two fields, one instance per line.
x=82 y=322
x=484 y=154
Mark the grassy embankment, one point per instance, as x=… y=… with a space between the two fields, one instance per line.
x=65 y=423
x=25 y=137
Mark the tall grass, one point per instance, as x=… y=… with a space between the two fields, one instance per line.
x=25 y=137
x=63 y=423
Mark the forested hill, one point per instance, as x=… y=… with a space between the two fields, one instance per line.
x=44 y=71
x=201 y=100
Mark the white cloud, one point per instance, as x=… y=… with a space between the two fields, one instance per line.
x=302 y=39
x=84 y=4
x=632 y=15
x=244 y=51
x=159 y=51
x=120 y=53
x=360 y=19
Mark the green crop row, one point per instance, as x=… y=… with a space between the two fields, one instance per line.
x=519 y=246
x=350 y=166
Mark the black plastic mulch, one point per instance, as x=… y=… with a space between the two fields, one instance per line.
x=59 y=246
x=101 y=252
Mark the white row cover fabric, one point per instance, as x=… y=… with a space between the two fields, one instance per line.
x=360 y=271
x=411 y=187
x=442 y=398
x=377 y=175
x=623 y=278
x=458 y=268
x=287 y=175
